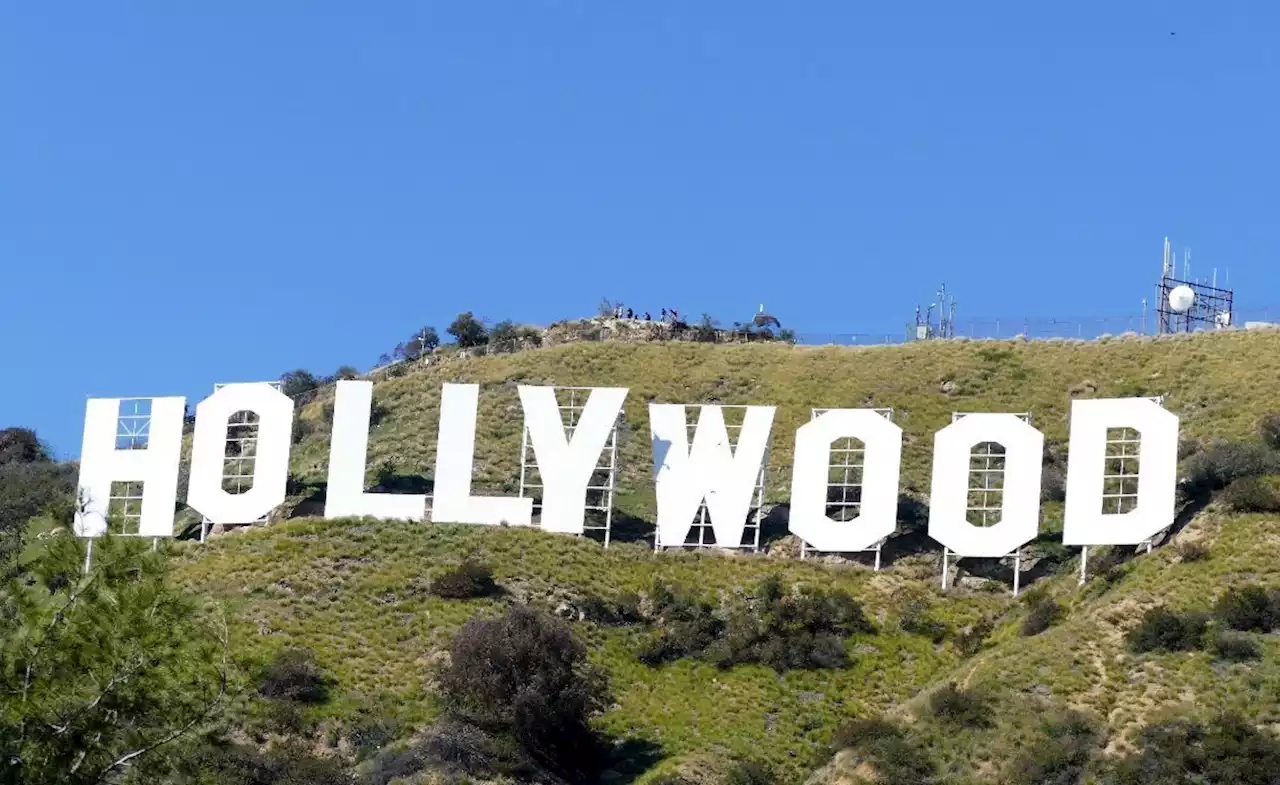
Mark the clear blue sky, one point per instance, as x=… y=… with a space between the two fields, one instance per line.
x=192 y=193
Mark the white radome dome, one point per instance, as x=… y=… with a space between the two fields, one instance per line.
x=1181 y=298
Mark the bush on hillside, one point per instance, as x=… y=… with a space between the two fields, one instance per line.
x=969 y=641
x=1269 y=429
x=897 y=760
x=1043 y=612
x=1068 y=742
x=468 y=580
x=526 y=676
x=687 y=626
x=1164 y=630
x=1234 y=647
x=1223 y=462
x=226 y=763
x=453 y=752
x=467 y=331
x=506 y=336
x=622 y=612
x=293 y=677
x=1249 y=609
x=784 y=630
x=962 y=708
x=1251 y=494
x=1191 y=551
x=1228 y=749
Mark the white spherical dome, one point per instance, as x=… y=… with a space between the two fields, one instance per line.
x=1181 y=298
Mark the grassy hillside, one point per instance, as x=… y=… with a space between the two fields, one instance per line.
x=355 y=591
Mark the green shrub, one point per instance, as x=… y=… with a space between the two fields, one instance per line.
x=1061 y=754
x=1234 y=647
x=784 y=630
x=1044 y=612
x=468 y=580
x=963 y=708
x=1223 y=462
x=1251 y=494
x=241 y=764
x=1192 y=551
x=920 y=623
x=1249 y=609
x=1226 y=750
x=970 y=640
x=1269 y=430
x=687 y=626
x=1164 y=630
x=526 y=676
x=623 y=612
x=897 y=759
x=293 y=677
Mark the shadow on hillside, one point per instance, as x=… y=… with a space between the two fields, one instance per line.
x=630 y=528
x=631 y=759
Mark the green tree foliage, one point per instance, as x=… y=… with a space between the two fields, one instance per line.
x=21 y=445
x=1226 y=750
x=784 y=630
x=30 y=484
x=1069 y=741
x=1249 y=609
x=1251 y=494
x=423 y=341
x=468 y=331
x=468 y=580
x=525 y=676
x=298 y=382
x=101 y=670
x=896 y=758
x=1164 y=630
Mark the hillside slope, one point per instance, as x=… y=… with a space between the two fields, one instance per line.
x=355 y=591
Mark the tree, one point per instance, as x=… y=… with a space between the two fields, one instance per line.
x=101 y=670
x=526 y=675
x=344 y=373
x=504 y=336
x=468 y=331
x=422 y=342
x=21 y=445
x=298 y=382
x=30 y=484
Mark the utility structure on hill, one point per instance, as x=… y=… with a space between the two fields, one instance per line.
x=1186 y=305
x=925 y=327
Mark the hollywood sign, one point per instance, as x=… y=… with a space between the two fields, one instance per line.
x=709 y=471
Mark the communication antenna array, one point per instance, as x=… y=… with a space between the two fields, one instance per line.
x=1184 y=304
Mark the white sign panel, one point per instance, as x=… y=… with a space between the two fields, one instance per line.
x=878 y=510
x=156 y=466
x=348 y=453
x=1020 y=497
x=455 y=453
x=1085 y=522
x=712 y=470
x=566 y=464
x=270 y=461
